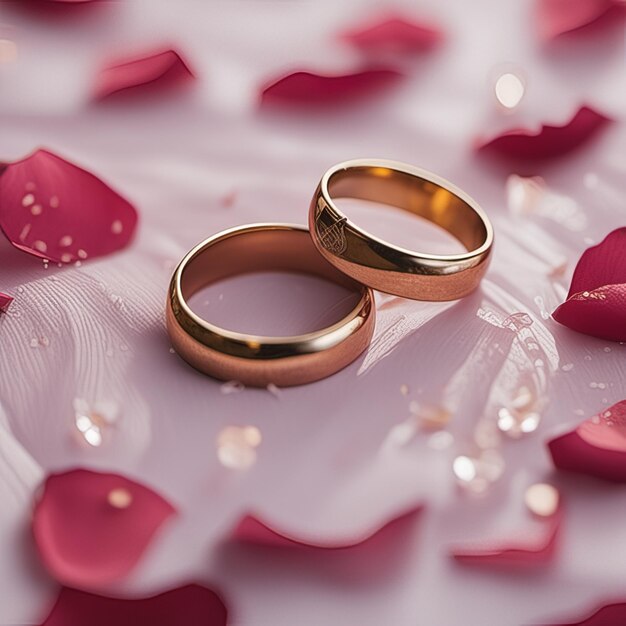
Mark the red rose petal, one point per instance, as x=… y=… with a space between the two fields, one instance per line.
x=253 y=530
x=609 y=615
x=92 y=528
x=596 y=302
x=189 y=606
x=597 y=447
x=306 y=88
x=513 y=554
x=5 y=301
x=162 y=70
x=557 y=17
x=393 y=34
x=56 y=210
x=549 y=141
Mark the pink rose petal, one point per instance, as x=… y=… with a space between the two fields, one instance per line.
x=557 y=17
x=306 y=88
x=609 y=615
x=596 y=302
x=92 y=528
x=5 y=302
x=162 y=70
x=393 y=34
x=56 y=210
x=514 y=553
x=185 y=606
x=597 y=447
x=549 y=141
x=253 y=530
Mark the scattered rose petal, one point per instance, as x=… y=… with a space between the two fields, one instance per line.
x=548 y=141
x=609 y=615
x=307 y=88
x=5 y=302
x=557 y=17
x=597 y=447
x=91 y=528
x=596 y=302
x=56 y=210
x=393 y=34
x=253 y=530
x=191 y=605
x=515 y=553
x=164 y=69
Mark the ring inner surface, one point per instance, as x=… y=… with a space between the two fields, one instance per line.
x=263 y=250
x=416 y=195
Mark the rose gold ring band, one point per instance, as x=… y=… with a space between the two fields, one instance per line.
x=256 y=360
x=390 y=268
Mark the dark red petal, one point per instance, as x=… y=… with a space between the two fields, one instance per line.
x=609 y=615
x=601 y=265
x=549 y=141
x=513 y=554
x=596 y=302
x=557 y=17
x=600 y=313
x=253 y=530
x=5 y=301
x=597 y=447
x=56 y=210
x=185 y=606
x=306 y=88
x=393 y=34
x=92 y=528
x=162 y=70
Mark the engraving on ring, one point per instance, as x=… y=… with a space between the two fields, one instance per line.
x=332 y=236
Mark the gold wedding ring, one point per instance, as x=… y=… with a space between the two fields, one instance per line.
x=389 y=268
x=256 y=360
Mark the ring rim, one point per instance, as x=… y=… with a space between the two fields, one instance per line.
x=433 y=264
x=245 y=351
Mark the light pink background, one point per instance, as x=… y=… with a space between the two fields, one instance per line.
x=323 y=466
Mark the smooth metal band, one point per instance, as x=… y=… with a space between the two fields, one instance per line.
x=390 y=268
x=256 y=360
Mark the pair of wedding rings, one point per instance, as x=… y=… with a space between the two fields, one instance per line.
x=335 y=249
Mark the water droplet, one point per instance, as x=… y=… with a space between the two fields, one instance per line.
x=568 y=367
x=607 y=349
x=36 y=209
x=404 y=390
x=516 y=423
x=232 y=386
x=66 y=257
x=509 y=90
x=28 y=199
x=40 y=246
x=120 y=498
x=54 y=202
x=464 y=468
x=89 y=427
x=81 y=253
x=34 y=342
x=77 y=264
x=236 y=446
x=117 y=227
x=475 y=473
x=542 y=499
x=66 y=241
